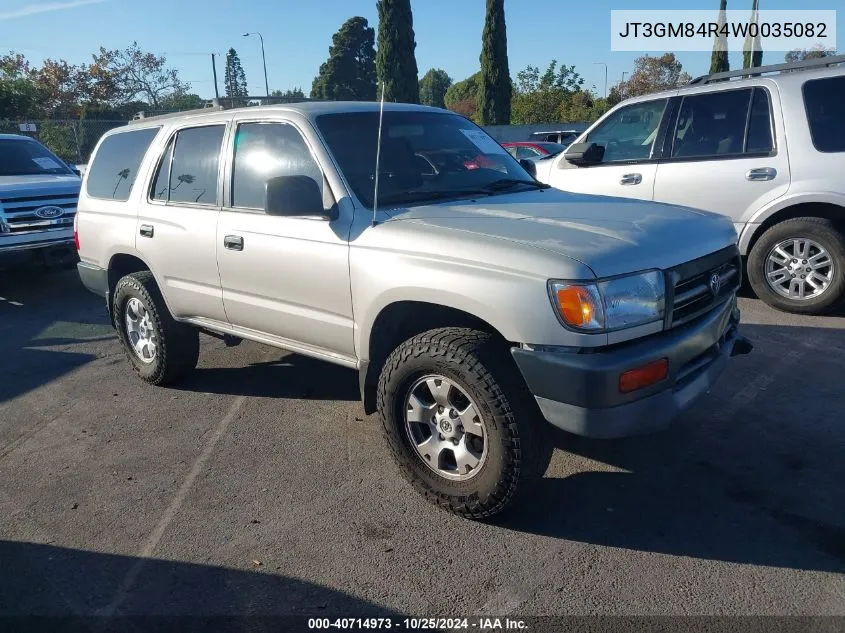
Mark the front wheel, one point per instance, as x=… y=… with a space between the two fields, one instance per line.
x=458 y=420
x=799 y=266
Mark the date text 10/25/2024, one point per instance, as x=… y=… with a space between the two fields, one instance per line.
x=419 y=624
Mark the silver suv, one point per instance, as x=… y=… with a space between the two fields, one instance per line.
x=473 y=301
x=766 y=150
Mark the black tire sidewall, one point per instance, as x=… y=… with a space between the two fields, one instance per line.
x=128 y=288
x=495 y=483
x=819 y=231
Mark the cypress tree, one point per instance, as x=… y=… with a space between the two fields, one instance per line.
x=494 y=98
x=752 y=53
x=235 y=78
x=350 y=71
x=719 y=59
x=396 y=64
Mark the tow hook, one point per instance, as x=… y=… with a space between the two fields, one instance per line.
x=741 y=346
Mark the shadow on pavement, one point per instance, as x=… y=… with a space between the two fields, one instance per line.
x=291 y=376
x=50 y=581
x=737 y=478
x=33 y=303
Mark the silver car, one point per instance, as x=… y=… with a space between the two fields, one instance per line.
x=767 y=150
x=473 y=301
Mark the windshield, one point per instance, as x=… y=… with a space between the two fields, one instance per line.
x=22 y=157
x=425 y=156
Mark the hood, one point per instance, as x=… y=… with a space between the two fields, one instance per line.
x=612 y=236
x=39 y=185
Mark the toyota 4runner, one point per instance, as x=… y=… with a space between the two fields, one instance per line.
x=473 y=302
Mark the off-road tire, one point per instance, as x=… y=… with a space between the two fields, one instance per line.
x=518 y=446
x=177 y=344
x=821 y=230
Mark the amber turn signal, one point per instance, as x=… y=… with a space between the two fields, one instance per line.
x=577 y=306
x=644 y=376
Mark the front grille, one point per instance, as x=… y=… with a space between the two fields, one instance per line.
x=18 y=214
x=691 y=293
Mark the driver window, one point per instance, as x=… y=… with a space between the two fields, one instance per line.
x=629 y=133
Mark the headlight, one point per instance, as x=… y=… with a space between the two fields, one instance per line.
x=611 y=304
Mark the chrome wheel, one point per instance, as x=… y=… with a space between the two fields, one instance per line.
x=799 y=269
x=444 y=428
x=140 y=330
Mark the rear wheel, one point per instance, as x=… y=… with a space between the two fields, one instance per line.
x=160 y=349
x=799 y=266
x=458 y=420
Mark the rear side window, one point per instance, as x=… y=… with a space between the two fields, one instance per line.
x=189 y=167
x=712 y=124
x=823 y=100
x=116 y=164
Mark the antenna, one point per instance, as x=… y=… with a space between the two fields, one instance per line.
x=378 y=154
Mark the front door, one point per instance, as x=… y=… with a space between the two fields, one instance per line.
x=283 y=276
x=628 y=167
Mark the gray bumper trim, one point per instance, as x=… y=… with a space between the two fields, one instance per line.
x=94 y=278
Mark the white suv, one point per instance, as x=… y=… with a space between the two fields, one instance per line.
x=768 y=150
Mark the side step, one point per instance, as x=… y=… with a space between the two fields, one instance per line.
x=228 y=339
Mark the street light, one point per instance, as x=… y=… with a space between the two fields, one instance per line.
x=605 y=77
x=263 y=59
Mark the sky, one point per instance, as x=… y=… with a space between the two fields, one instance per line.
x=297 y=34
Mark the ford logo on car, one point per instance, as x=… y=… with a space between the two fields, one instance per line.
x=48 y=213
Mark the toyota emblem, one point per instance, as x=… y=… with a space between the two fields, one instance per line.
x=715 y=283
x=49 y=213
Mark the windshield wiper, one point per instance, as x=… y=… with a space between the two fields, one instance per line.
x=509 y=183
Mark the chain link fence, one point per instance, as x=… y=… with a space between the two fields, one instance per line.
x=71 y=140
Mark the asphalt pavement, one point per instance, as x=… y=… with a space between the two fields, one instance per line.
x=260 y=487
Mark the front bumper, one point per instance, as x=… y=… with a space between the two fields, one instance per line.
x=47 y=252
x=580 y=393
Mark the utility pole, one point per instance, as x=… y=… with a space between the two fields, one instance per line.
x=605 y=77
x=263 y=59
x=214 y=71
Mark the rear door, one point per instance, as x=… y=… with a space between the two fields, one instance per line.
x=629 y=137
x=721 y=154
x=177 y=221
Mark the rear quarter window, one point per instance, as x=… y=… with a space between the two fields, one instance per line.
x=823 y=99
x=116 y=163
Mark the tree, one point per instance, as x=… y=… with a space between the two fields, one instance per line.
x=494 y=99
x=396 y=64
x=433 y=87
x=234 y=79
x=752 y=51
x=538 y=97
x=182 y=102
x=719 y=59
x=18 y=96
x=462 y=97
x=119 y=76
x=817 y=52
x=350 y=71
x=293 y=95
x=653 y=74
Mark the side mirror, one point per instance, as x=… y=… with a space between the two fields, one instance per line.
x=584 y=154
x=530 y=166
x=294 y=196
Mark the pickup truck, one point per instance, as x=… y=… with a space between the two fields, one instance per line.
x=38 y=196
x=474 y=302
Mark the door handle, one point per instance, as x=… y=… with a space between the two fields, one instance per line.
x=233 y=242
x=146 y=230
x=631 y=179
x=761 y=174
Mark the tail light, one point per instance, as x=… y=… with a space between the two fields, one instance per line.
x=76 y=230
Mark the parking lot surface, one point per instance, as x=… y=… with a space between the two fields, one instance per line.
x=259 y=487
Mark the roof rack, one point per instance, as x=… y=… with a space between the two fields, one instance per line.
x=218 y=104
x=807 y=64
